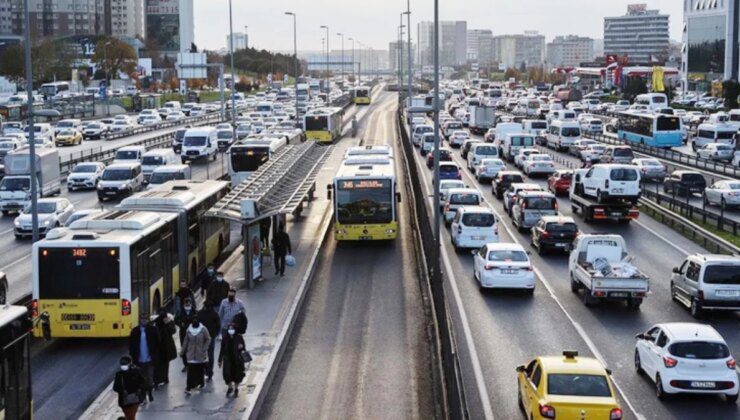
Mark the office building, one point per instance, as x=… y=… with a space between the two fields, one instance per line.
x=393 y=54
x=169 y=24
x=641 y=35
x=126 y=18
x=480 y=46
x=241 y=41
x=710 y=43
x=569 y=51
x=515 y=50
x=61 y=18
x=453 y=39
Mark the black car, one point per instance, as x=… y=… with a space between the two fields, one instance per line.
x=503 y=181
x=554 y=233
x=444 y=156
x=685 y=182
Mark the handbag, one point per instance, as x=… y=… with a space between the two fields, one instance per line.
x=290 y=261
x=245 y=356
x=129 y=398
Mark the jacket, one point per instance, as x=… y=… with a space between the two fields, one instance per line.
x=281 y=243
x=195 y=345
x=209 y=318
x=167 y=349
x=181 y=295
x=217 y=291
x=183 y=319
x=229 y=355
x=131 y=381
x=152 y=340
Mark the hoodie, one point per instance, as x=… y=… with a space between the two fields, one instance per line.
x=195 y=344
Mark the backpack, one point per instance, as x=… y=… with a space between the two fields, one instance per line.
x=240 y=322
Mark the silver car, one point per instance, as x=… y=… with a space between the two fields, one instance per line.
x=650 y=169
x=723 y=193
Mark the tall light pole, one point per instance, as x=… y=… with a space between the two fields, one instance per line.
x=436 y=136
x=399 y=51
x=408 y=32
x=295 y=62
x=327 y=57
x=353 y=58
x=31 y=129
x=246 y=37
x=341 y=35
x=233 y=76
x=107 y=82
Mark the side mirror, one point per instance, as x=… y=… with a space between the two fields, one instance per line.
x=608 y=372
x=676 y=270
x=641 y=336
x=520 y=368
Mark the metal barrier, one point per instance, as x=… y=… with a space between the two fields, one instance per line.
x=452 y=381
x=686 y=209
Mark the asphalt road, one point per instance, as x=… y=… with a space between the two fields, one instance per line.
x=359 y=349
x=509 y=329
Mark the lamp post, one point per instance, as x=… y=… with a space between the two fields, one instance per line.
x=342 y=55
x=408 y=32
x=399 y=50
x=233 y=76
x=31 y=129
x=327 y=57
x=435 y=42
x=353 y=58
x=295 y=62
x=107 y=82
x=246 y=37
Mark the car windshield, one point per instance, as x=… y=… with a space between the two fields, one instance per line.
x=478 y=219
x=492 y=162
x=465 y=198
x=570 y=131
x=507 y=256
x=558 y=227
x=722 y=274
x=648 y=162
x=152 y=160
x=448 y=169
x=43 y=208
x=733 y=186
x=162 y=177
x=15 y=184
x=623 y=174
x=511 y=178
x=540 y=203
x=623 y=152
x=116 y=174
x=84 y=168
x=486 y=150
x=120 y=122
x=6 y=145
x=67 y=132
x=451 y=184
x=194 y=141
x=700 y=350
x=723 y=147
x=127 y=155
x=540 y=157
x=64 y=124
x=95 y=126
x=578 y=385
x=692 y=177
x=225 y=134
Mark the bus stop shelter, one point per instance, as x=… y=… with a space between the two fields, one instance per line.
x=278 y=188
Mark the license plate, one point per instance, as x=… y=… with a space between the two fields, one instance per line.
x=561 y=245
x=702 y=384
x=505 y=271
x=79 y=327
x=728 y=293
x=366 y=238
x=618 y=191
x=477 y=238
x=110 y=193
x=618 y=294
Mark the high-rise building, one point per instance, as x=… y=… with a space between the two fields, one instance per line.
x=515 y=50
x=453 y=38
x=480 y=46
x=57 y=19
x=641 y=35
x=569 y=51
x=126 y=18
x=393 y=54
x=241 y=41
x=710 y=43
x=170 y=23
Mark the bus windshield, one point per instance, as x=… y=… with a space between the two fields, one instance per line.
x=79 y=273
x=162 y=177
x=725 y=135
x=317 y=123
x=365 y=201
x=668 y=124
x=248 y=159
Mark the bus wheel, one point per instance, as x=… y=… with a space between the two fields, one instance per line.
x=156 y=303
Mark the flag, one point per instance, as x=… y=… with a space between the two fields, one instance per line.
x=658 y=85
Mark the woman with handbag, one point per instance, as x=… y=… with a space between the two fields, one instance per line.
x=130 y=385
x=167 y=351
x=232 y=357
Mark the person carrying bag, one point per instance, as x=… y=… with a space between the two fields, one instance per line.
x=130 y=385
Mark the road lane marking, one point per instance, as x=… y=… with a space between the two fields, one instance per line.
x=15 y=262
x=663 y=238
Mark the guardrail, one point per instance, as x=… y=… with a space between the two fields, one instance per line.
x=686 y=209
x=452 y=380
x=167 y=124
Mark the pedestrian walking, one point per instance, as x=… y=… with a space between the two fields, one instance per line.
x=229 y=308
x=281 y=244
x=183 y=293
x=195 y=351
x=144 y=350
x=167 y=351
x=207 y=278
x=130 y=385
x=183 y=319
x=231 y=359
x=265 y=225
x=218 y=290
x=209 y=318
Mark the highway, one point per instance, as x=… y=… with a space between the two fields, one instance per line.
x=360 y=347
x=509 y=329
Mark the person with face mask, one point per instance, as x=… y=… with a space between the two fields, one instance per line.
x=229 y=308
x=231 y=359
x=206 y=278
x=183 y=293
x=218 y=290
x=182 y=320
x=130 y=385
x=209 y=317
x=144 y=350
x=195 y=351
x=167 y=351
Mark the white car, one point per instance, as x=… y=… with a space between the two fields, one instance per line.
x=592 y=153
x=540 y=164
x=683 y=357
x=716 y=151
x=445 y=185
x=487 y=169
x=85 y=176
x=175 y=116
x=473 y=227
x=150 y=120
x=79 y=214
x=52 y=212
x=523 y=154
x=723 y=193
x=503 y=266
x=458 y=137
x=120 y=125
x=146 y=113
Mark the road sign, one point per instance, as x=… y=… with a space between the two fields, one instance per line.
x=102 y=91
x=183 y=86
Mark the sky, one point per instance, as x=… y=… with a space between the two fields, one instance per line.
x=374 y=22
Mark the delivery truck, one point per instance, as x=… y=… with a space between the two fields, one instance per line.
x=15 y=187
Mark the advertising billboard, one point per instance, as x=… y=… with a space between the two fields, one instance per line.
x=163 y=23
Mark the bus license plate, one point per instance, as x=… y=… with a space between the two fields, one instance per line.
x=702 y=384
x=366 y=238
x=79 y=327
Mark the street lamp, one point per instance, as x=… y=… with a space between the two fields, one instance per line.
x=246 y=37
x=295 y=58
x=342 y=54
x=233 y=77
x=353 y=58
x=408 y=25
x=399 y=54
x=327 y=56
x=31 y=129
x=107 y=82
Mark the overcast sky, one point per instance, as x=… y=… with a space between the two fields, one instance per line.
x=374 y=22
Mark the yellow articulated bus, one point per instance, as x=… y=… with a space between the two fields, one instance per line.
x=323 y=124
x=15 y=363
x=365 y=199
x=96 y=277
x=361 y=95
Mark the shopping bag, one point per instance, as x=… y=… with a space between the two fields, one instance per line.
x=290 y=261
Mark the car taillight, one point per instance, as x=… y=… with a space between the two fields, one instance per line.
x=447 y=208
x=459 y=230
x=556 y=206
x=731 y=364
x=524 y=205
x=547 y=411
x=669 y=362
x=616 y=414
x=125 y=307
x=482 y=168
x=34 y=308
x=530 y=268
x=545 y=234
x=700 y=294
x=495 y=229
x=489 y=267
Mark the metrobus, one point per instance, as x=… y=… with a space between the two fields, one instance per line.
x=365 y=199
x=652 y=100
x=323 y=124
x=54 y=89
x=97 y=276
x=656 y=130
x=246 y=156
x=15 y=370
x=361 y=95
x=17 y=111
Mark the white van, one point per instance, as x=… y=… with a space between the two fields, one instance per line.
x=129 y=154
x=264 y=109
x=562 y=134
x=41 y=132
x=652 y=100
x=427 y=143
x=504 y=128
x=419 y=131
x=514 y=142
x=198 y=143
x=120 y=180
x=473 y=227
x=714 y=133
x=608 y=180
x=155 y=158
x=72 y=123
x=162 y=174
x=561 y=115
x=480 y=151
x=173 y=106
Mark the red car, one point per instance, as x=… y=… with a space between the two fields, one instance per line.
x=559 y=182
x=444 y=156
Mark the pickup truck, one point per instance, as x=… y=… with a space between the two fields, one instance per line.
x=600 y=270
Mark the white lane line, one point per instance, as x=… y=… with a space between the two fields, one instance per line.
x=14 y=263
x=550 y=289
x=7 y=231
x=663 y=238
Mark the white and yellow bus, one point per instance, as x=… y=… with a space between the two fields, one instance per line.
x=365 y=199
x=95 y=277
x=361 y=95
x=323 y=124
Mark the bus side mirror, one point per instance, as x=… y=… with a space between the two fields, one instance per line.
x=45 y=326
x=398 y=197
x=328 y=191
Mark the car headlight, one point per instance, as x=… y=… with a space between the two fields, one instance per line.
x=16 y=222
x=123 y=186
x=100 y=186
x=46 y=222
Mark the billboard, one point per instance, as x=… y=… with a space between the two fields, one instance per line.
x=163 y=23
x=191 y=65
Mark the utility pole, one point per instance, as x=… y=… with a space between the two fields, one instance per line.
x=408 y=31
x=233 y=76
x=342 y=55
x=436 y=136
x=31 y=129
x=107 y=81
x=327 y=58
x=295 y=59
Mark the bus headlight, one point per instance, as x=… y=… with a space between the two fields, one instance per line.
x=390 y=231
x=341 y=232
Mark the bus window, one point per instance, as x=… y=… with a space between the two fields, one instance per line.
x=317 y=123
x=668 y=124
x=79 y=273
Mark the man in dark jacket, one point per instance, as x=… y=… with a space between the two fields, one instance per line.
x=281 y=243
x=183 y=318
x=208 y=277
x=218 y=290
x=209 y=318
x=183 y=293
x=144 y=349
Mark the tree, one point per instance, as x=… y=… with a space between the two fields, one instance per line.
x=634 y=86
x=51 y=60
x=114 y=56
x=12 y=63
x=730 y=91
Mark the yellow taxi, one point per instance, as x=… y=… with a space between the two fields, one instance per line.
x=566 y=387
x=68 y=137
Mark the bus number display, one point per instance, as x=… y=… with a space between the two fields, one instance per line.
x=363 y=184
x=79 y=252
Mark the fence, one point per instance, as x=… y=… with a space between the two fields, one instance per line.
x=690 y=211
x=452 y=375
